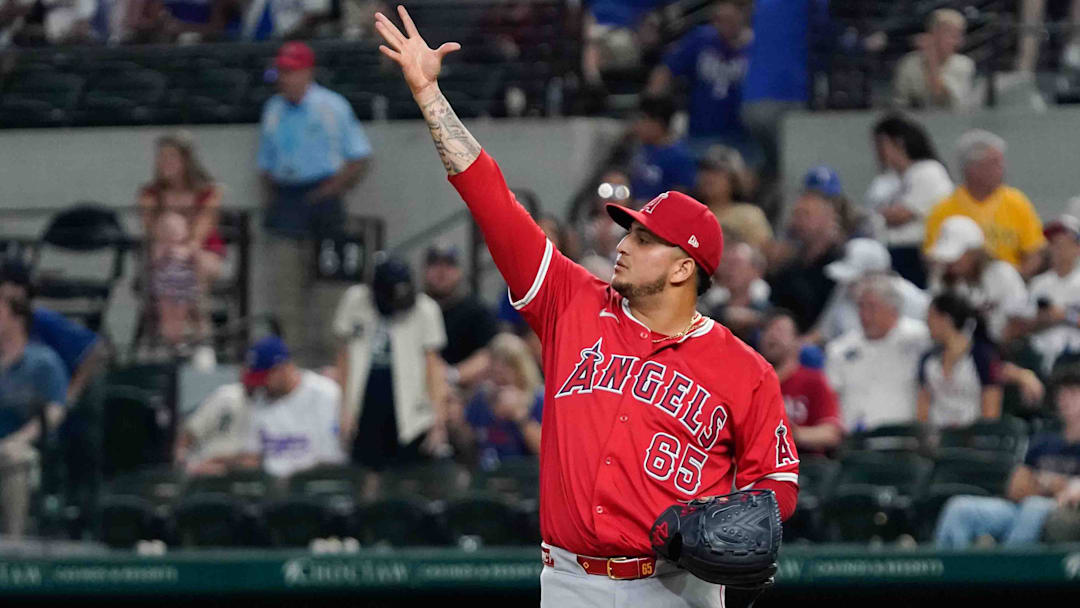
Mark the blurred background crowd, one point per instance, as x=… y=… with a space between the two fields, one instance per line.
x=925 y=326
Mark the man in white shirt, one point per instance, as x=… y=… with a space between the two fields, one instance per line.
x=962 y=264
x=294 y=421
x=935 y=75
x=216 y=432
x=873 y=369
x=1053 y=318
x=863 y=258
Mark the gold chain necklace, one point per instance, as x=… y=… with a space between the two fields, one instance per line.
x=693 y=322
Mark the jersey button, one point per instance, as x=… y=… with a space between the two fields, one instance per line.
x=624 y=418
x=607 y=460
x=644 y=335
x=599 y=509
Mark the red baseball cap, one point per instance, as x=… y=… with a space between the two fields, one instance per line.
x=295 y=56
x=681 y=221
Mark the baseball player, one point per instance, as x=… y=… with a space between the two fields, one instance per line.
x=647 y=403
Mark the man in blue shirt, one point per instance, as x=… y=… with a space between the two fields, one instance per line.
x=779 y=71
x=312 y=149
x=660 y=163
x=32 y=383
x=82 y=351
x=712 y=58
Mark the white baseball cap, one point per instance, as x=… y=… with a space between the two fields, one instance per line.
x=958 y=235
x=861 y=257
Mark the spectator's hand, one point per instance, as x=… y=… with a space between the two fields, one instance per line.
x=1031 y=388
x=1070 y=496
x=925 y=45
x=511 y=403
x=209 y=468
x=326 y=190
x=420 y=64
x=437 y=442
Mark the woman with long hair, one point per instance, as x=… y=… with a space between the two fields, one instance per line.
x=904 y=147
x=179 y=210
x=503 y=419
x=959 y=379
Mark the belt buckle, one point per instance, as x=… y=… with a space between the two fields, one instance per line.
x=620 y=560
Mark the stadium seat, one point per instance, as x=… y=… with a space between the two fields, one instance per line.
x=816 y=477
x=398 y=521
x=249 y=486
x=124 y=520
x=909 y=437
x=516 y=478
x=40 y=98
x=210 y=520
x=328 y=482
x=79 y=261
x=987 y=470
x=124 y=95
x=873 y=496
x=295 y=521
x=490 y=519
x=213 y=95
x=435 y=480
x=901 y=470
x=132 y=433
x=161 y=485
x=1009 y=434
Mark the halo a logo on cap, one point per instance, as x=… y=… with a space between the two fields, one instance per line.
x=651 y=205
x=693 y=241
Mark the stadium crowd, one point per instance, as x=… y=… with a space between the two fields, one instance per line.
x=934 y=302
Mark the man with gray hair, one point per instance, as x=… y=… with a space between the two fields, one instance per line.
x=1013 y=230
x=874 y=368
x=935 y=75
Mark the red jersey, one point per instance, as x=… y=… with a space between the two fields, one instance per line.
x=809 y=400
x=632 y=422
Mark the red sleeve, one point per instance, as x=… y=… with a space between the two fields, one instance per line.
x=539 y=276
x=787 y=495
x=764 y=447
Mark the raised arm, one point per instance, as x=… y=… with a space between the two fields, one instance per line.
x=420 y=65
x=523 y=254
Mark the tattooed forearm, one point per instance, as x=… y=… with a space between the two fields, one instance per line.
x=456 y=146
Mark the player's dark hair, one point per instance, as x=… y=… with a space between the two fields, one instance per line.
x=704 y=281
x=660 y=108
x=961 y=314
x=909 y=134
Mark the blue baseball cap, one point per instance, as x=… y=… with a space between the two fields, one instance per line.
x=824 y=180
x=263 y=356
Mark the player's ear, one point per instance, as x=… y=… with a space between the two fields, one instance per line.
x=684 y=269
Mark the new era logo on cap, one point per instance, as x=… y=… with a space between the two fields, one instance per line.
x=693 y=241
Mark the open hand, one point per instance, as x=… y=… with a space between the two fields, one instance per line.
x=420 y=64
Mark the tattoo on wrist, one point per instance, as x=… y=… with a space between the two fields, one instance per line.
x=456 y=146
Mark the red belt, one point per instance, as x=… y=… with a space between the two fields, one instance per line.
x=615 y=568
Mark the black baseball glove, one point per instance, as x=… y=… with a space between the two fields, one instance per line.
x=730 y=540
